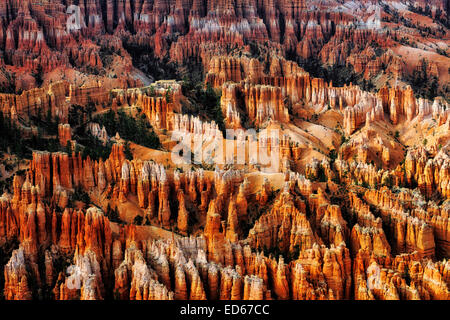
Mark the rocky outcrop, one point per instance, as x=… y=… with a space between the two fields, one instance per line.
x=410 y=230
x=16 y=278
x=38 y=102
x=384 y=278
x=35 y=37
x=219 y=265
x=262 y=103
x=284 y=227
x=355 y=211
x=64 y=134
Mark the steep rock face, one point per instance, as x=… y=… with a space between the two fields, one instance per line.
x=362 y=108
x=262 y=103
x=245 y=82
x=368 y=234
x=56 y=100
x=64 y=134
x=332 y=227
x=195 y=277
x=332 y=265
x=36 y=36
x=51 y=99
x=158 y=102
x=271 y=80
x=95 y=94
x=16 y=278
x=412 y=232
x=73 y=233
x=430 y=175
x=84 y=280
x=383 y=278
x=284 y=227
x=315 y=239
x=402 y=104
x=57 y=175
x=223 y=69
x=408 y=212
x=419 y=169
x=100 y=133
x=371 y=239
x=218 y=265
x=183 y=214
x=143 y=283
x=248 y=84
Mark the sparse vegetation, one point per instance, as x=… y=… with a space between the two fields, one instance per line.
x=387 y=182
x=80 y=195
x=129 y=128
x=204 y=102
x=15 y=140
x=94 y=148
x=340 y=74
x=138 y=220
x=424 y=84
x=127 y=151
x=113 y=214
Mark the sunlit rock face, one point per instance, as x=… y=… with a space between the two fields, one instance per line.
x=314 y=238
x=54 y=38
x=357 y=209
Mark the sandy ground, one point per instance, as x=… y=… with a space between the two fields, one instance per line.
x=415 y=55
x=138 y=74
x=147 y=232
x=418 y=131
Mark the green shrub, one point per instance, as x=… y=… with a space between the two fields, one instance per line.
x=204 y=102
x=137 y=130
x=138 y=220
x=94 y=148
